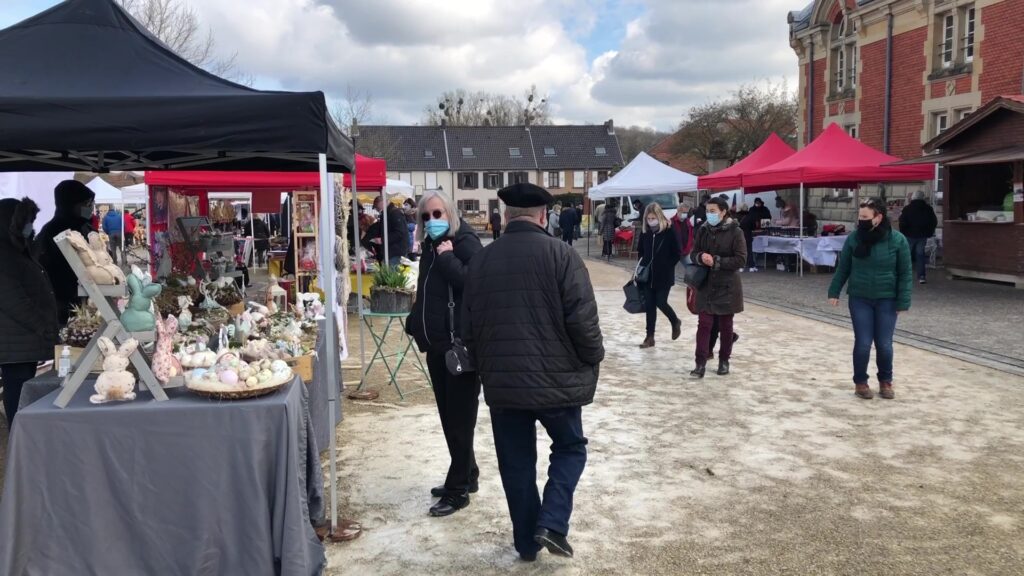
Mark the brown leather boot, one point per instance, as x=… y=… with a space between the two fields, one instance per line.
x=648 y=342
x=885 y=390
x=863 y=391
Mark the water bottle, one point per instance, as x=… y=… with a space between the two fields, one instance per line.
x=64 y=366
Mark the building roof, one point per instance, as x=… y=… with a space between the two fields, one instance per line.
x=1014 y=103
x=481 y=148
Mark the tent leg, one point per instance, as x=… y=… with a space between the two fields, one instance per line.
x=384 y=224
x=327 y=267
x=800 y=245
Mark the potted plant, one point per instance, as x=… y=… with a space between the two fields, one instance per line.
x=390 y=293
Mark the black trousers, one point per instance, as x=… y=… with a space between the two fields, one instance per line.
x=515 y=442
x=567 y=236
x=458 y=399
x=495 y=233
x=15 y=376
x=657 y=299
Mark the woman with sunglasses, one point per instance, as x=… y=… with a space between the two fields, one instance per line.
x=448 y=244
x=875 y=261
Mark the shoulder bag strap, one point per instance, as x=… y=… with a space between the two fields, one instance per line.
x=451 y=314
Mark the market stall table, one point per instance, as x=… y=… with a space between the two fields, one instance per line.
x=818 y=251
x=187 y=486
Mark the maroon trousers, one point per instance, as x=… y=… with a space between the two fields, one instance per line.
x=704 y=323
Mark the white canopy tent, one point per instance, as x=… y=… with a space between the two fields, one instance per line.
x=135 y=194
x=644 y=176
x=399 y=188
x=105 y=192
x=35 y=185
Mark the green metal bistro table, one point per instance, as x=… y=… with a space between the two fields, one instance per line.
x=389 y=319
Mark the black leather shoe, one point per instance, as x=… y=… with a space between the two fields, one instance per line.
x=528 y=557
x=449 y=504
x=723 y=367
x=439 y=491
x=698 y=372
x=554 y=542
x=735 y=337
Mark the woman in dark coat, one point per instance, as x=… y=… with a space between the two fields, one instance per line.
x=659 y=253
x=607 y=230
x=720 y=247
x=448 y=244
x=75 y=207
x=28 y=309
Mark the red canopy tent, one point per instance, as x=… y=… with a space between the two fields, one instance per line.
x=771 y=151
x=835 y=160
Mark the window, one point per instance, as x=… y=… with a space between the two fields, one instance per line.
x=844 y=56
x=600 y=151
x=960 y=114
x=518 y=178
x=946 y=44
x=469 y=180
x=940 y=121
x=493 y=180
x=549 y=151
x=552 y=180
x=515 y=153
x=579 y=179
x=852 y=130
x=468 y=205
x=602 y=176
x=431 y=180
x=968 y=39
x=468 y=153
x=428 y=153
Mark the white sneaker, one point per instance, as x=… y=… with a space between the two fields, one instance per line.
x=753 y=269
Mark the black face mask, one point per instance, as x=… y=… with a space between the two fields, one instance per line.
x=865 y=225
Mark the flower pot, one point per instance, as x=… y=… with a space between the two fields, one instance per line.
x=390 y=301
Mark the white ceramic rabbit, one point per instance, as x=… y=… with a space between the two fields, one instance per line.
x=185 y=316
x=165 y=365
x=116 y=382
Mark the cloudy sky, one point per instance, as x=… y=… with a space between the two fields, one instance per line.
x=638 y=61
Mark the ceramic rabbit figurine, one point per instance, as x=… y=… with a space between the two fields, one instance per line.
x=138 y=316
x=185 y=317
x=97 y=262
x=165 y=365
x=116 y=382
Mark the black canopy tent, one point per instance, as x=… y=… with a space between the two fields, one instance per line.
x=61 y=109
x=57 y=113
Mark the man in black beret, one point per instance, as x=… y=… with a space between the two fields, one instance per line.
x=75 y=207
x=530 y=320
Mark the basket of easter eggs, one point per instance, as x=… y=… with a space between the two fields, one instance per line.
x=231 y=378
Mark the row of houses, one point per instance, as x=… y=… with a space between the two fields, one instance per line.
x=473 y=162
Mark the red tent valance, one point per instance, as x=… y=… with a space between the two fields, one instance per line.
x=371 y=174
x=771 y=151
x=835 y=160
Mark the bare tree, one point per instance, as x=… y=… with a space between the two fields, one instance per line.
x=176 y=24
x=463 y=108
x=356 y=108
x=634 y=140
x=734 y=127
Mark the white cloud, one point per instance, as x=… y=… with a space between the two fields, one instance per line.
x=406 y=52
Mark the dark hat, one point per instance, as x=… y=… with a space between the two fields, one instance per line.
x=71 y=192
x=525 y=195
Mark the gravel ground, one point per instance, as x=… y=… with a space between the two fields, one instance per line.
x=776 y=469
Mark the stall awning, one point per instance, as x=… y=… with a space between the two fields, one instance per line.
x=1011 y=154
x=371 y=175
x=771 y=151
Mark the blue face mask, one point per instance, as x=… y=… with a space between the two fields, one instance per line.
x=714 y=218
x=436 y=228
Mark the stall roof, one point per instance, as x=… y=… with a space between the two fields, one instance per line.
x=105 y=192
x=644 y=176
x=371 y=174
x=835 y=159
x=57 y=113
x=771 y=151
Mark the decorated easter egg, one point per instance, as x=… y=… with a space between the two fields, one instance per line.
x=244 y=373
x=198 y=373
x=264 y=376
x=278 y=366
x=229 y=377
x=251 y=381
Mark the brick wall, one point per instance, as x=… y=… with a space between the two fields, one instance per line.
x=963 y=86
x=1002 y=50
x=908 y=92
x=872 y=101
x=820 y=93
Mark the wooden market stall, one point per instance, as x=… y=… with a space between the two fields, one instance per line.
x=982 y=161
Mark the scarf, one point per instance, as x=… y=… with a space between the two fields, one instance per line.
x=868 y=238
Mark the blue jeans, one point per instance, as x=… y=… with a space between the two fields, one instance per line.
x=917 y=252
x=873 y=321
x=515 y=441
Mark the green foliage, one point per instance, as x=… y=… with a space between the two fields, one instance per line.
x=390 y=277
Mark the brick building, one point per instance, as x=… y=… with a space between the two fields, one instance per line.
x=897 y=73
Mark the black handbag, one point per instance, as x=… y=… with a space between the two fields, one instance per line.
x=635 y=303
x=458 y=360
x=642 y=274
x=695 y=275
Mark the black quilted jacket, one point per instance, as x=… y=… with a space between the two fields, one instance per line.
x=530 y=320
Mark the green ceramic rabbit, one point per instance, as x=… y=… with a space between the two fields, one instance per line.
x=138 y=315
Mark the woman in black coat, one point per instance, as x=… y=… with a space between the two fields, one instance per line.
x=75 y=207
x=659 y=253
x=448 y=244
x=28 y=309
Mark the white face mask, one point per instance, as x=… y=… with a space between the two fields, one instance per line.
x=653 y=224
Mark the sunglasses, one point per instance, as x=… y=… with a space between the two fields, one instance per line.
x=437 y=214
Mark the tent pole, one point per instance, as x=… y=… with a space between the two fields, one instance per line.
x=330 y=308
x=124 y=259
x=384 y=225
x=252 y=222
x=359 y=279
x=800 y=245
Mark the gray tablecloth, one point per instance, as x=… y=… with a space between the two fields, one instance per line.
x=319 y=388
x=189 y=486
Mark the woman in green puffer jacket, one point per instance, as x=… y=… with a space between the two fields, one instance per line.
x=875 y=261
